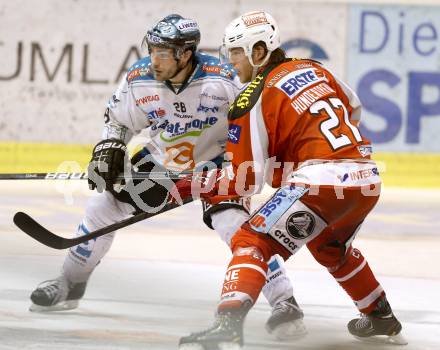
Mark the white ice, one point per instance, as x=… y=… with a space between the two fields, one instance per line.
x=161 y=279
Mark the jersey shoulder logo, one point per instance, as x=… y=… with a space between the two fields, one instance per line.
x=140 y=70
x=221 y=70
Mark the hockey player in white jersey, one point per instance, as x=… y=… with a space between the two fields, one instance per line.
x=180 y=98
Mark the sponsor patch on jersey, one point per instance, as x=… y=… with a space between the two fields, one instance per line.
x=254 y=19
x=354 y=176
x=296 y=82
x=113 y=101
x=217 y=70
x=234 y=133
x=296 y=226
x=138 y=72
x=343 y=178
x=270 y=213
x=206 y=109
x=213 y=97
x=300 y=224
x=251 y=93
x=175 y=131
x=249 y=96
x=365 y=150
x=211 y=69
x=277 y=77
x=156 y=114
x=303 y=65
x=180 y=155
x=364 y=174
x=183 y=115
x=302 y=102
x=146 y=99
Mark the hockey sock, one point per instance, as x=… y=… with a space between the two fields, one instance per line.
x=278 y=286
x=357 y=279
x=244 y=279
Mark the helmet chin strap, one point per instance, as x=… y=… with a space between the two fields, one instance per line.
x=256 y=67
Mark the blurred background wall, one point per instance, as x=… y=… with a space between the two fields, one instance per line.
x=61 y=60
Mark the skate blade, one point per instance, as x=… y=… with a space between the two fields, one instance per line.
x=397 y=339
x=289 y=330
x=229 y=346
x=220 y=346
x=62 y=306
x=191 y=346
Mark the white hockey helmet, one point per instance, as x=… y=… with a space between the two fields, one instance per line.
x=248 y=29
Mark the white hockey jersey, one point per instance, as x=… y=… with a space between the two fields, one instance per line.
x=185 y=127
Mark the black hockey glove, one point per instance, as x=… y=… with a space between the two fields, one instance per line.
x=106 y=164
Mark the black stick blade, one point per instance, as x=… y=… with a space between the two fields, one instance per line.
x=32 y=228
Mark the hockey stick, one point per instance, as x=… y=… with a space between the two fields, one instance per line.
x=32 y=228
x=158 y=175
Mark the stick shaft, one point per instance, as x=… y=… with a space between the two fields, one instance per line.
x=83 y=176
x=38 y=232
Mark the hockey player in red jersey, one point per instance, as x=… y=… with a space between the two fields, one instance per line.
x=296 y=127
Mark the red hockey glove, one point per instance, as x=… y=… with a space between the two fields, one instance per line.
x=204 y=185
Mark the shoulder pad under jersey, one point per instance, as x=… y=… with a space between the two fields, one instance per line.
x=140 y=70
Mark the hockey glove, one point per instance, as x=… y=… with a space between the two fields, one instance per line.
x=212 y=186
x=106 y=164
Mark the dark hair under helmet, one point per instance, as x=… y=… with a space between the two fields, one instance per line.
x=174 y=32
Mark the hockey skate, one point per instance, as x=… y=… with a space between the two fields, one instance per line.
x=379 y=326
x=286 y=321
x=57 y=295
x=225 y=334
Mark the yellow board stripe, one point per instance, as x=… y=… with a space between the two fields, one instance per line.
x=409 y=169
x=397 y=169
x=41 y=157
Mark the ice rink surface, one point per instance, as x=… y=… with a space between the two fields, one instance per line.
x=162 y=277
